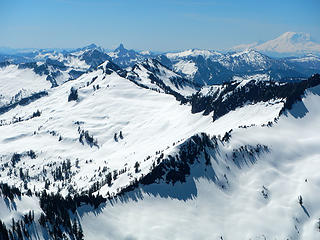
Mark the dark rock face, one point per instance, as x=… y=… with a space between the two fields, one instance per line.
x=4 y=64
x=23 y=101
x=75 y=74
x=154 y=68
x=125 y=58
x=174 y=169
x=41 y=69
x=221 y=68
x=73 y=96
x=56 y=64
x=94 y=57
x=230 y=96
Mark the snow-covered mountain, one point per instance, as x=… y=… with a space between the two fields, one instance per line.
x=126 y=58
x=309 y=63
x=116 y=146
x=289 y=43
x=153 y=75
x=46 y=69
x=173 y=146
x=202 y=67
x=211 y=67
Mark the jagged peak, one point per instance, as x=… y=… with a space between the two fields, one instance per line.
x=120 y=48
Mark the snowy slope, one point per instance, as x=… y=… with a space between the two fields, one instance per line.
x=106 y=105
x=16 y=84
x=162 y=156
x=154 y=75
x=45 y=70
x=117 y=105
x=255 y=197
x=186 y=67
x=310 y=63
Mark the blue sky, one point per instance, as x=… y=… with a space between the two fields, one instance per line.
x=153 y=24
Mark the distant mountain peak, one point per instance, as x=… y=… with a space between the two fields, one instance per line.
x=91 y=46
x=296 y=36
x=120 y=48
x=287 y=43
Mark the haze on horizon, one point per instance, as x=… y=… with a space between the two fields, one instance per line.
x=152 y=25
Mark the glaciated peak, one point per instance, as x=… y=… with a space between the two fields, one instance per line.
x=287 y=43
x=295 y=37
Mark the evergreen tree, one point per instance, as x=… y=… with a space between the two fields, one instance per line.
x=75 y=227
x=73 y=96
x=42 y=220
x=36 y=114
x=115 y=174
x=13 y=225
x=80 y=234
x=19 y=232
x=15 y=158
x=21 y=174
x=115 y=137
x=136 y=167
x=3 y=231
x=109 y=179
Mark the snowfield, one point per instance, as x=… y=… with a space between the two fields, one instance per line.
x=186 y=67
x=18 y=83
x=242 y=211
x=118 y=105
x=241 y=179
